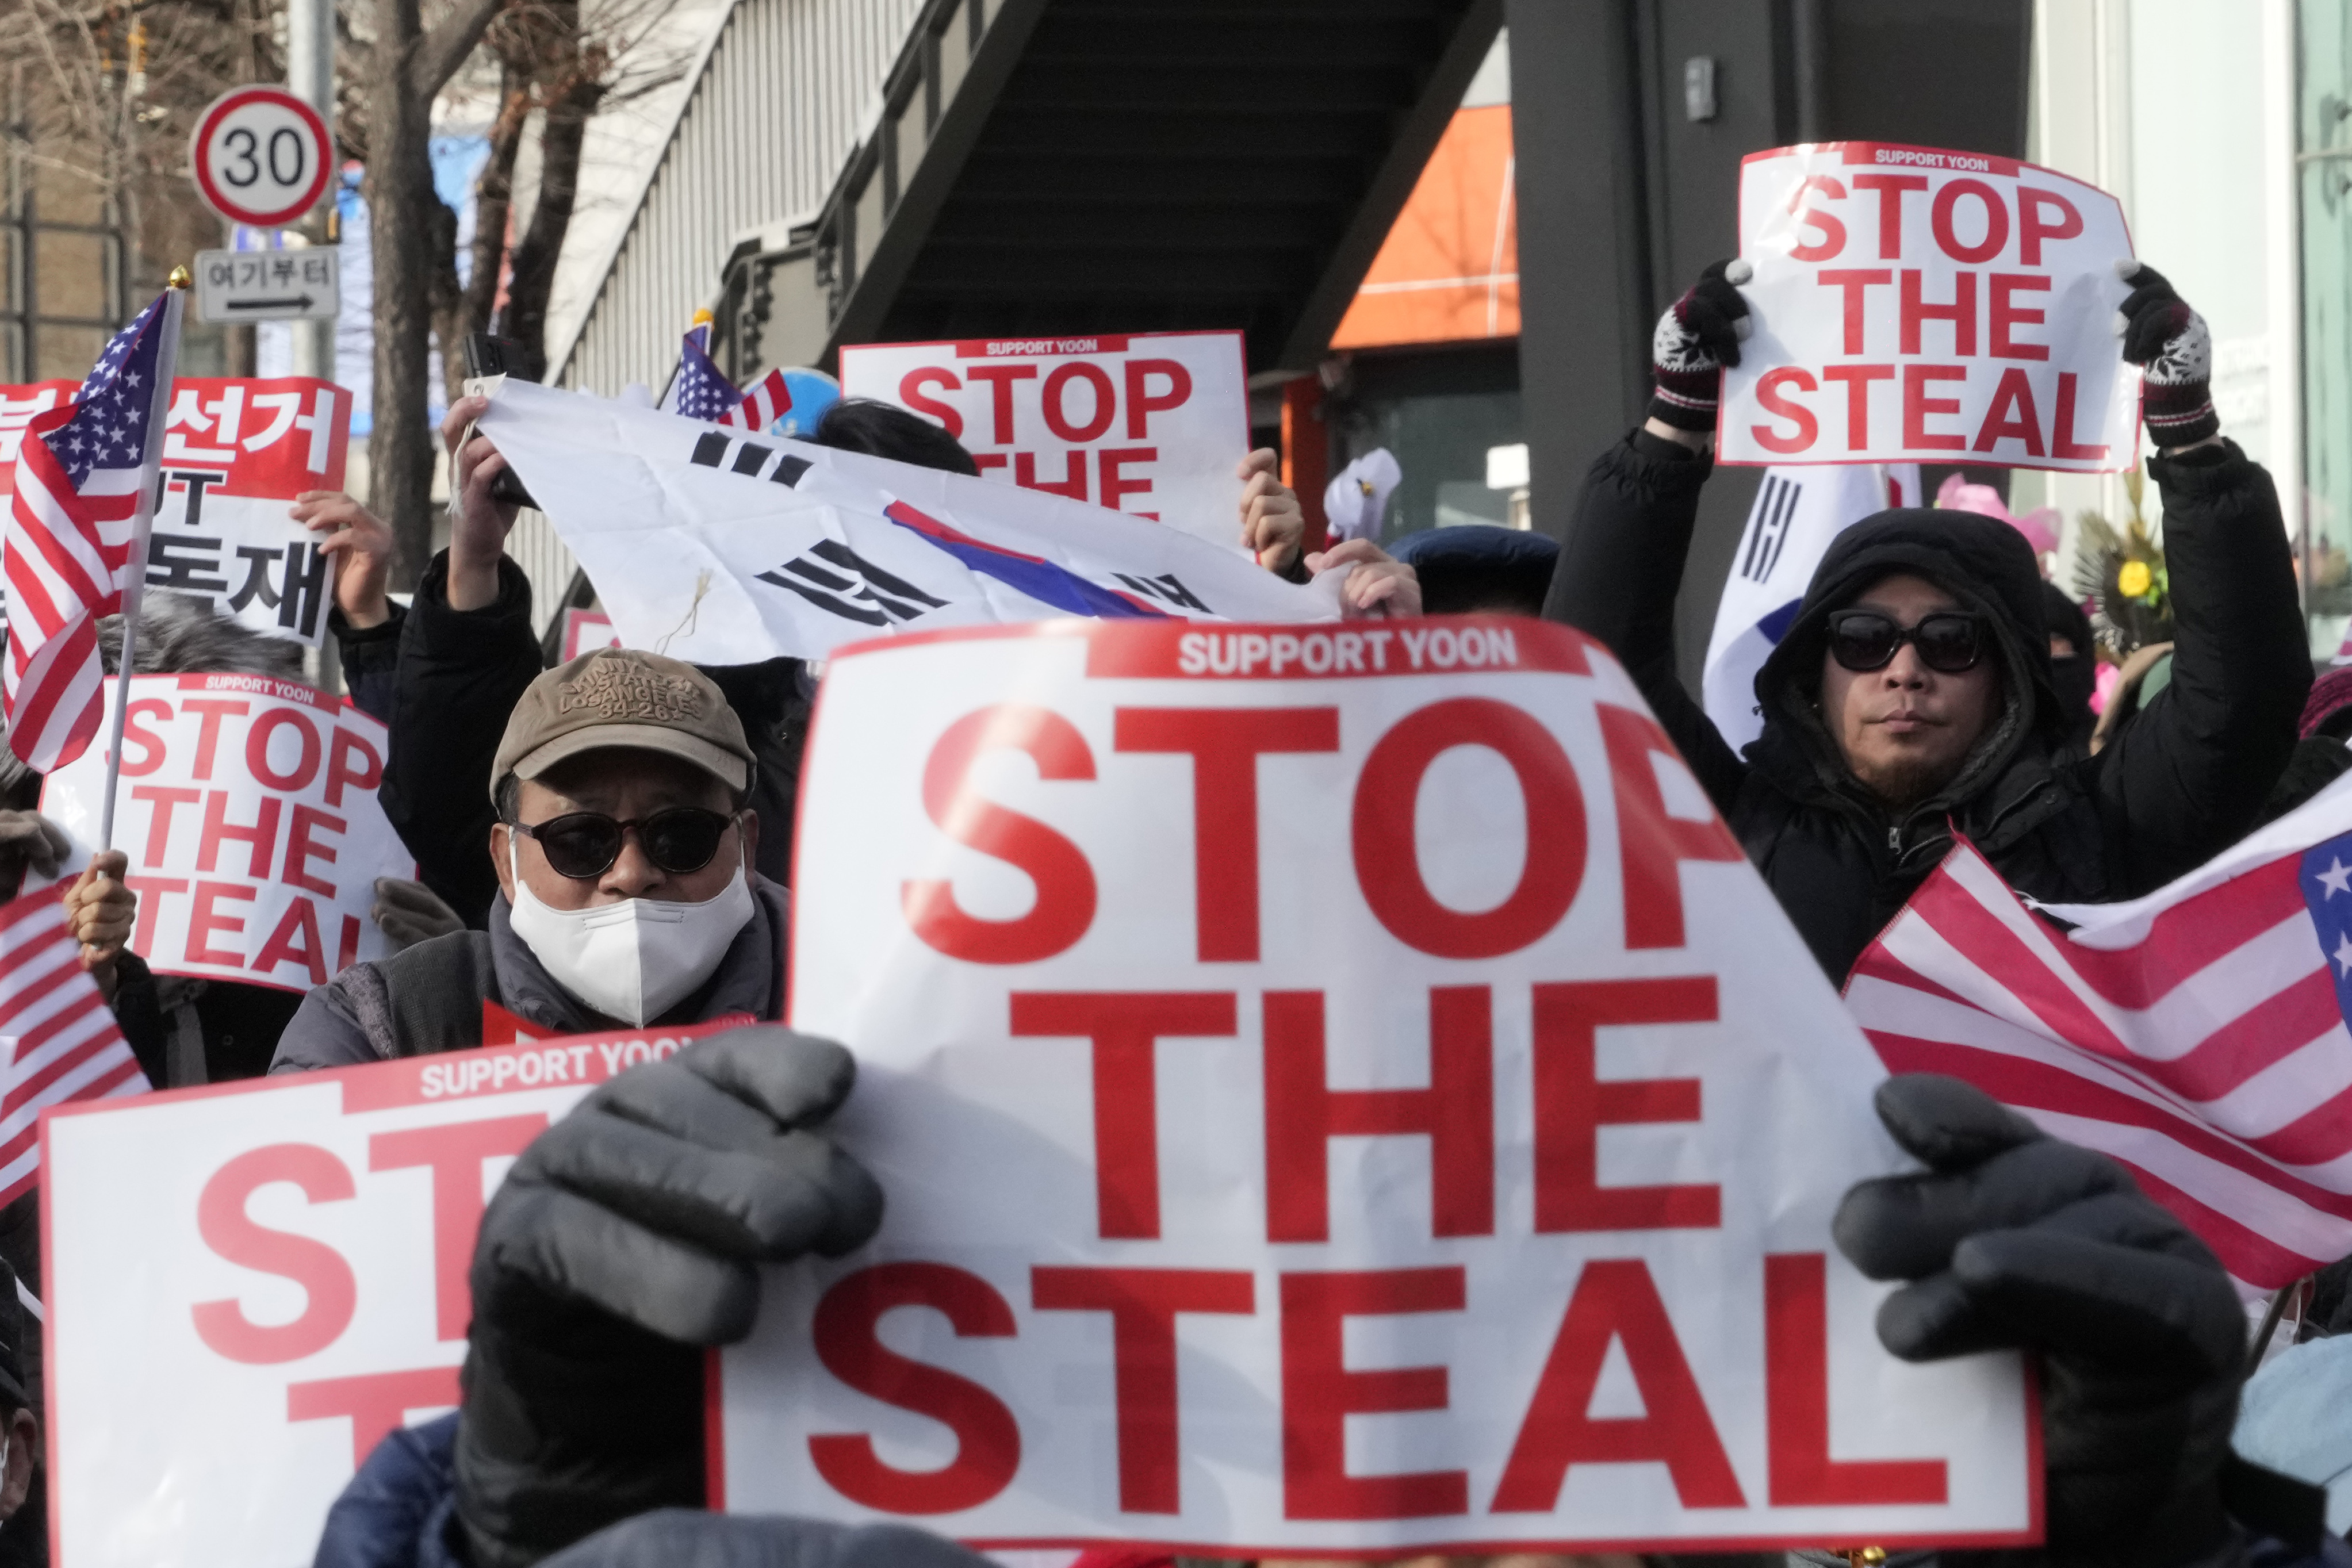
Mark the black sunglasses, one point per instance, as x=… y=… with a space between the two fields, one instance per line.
x=582 y=844
x=1950 y=641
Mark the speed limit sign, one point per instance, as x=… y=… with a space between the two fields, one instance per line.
x=261 y=156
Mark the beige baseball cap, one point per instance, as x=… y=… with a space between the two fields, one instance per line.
x=626 y=698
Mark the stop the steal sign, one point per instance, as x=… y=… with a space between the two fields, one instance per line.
x=1339 y=1090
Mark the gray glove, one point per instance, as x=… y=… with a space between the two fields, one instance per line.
x=626 y=1237
x=2014 y=1240
x=672 y=1539
x=410 y=912
x=28 y=842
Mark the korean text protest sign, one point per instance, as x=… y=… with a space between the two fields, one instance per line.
x=250 y=1284
x=1915 y=306
x=1339 y=1089
x=724 y=547
x=236 y=454
x=249 y=809
x=1150 y=423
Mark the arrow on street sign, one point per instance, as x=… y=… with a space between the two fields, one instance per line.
x=298 y=306
x=268 y=285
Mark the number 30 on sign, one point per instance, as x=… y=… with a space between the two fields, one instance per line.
x=261 y=156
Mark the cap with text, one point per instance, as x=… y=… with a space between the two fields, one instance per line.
x=623 y=698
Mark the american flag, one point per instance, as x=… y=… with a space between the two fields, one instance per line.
x=84 y=476
x=765 y=404
x=2197 y=1035
x=57 y=1033
x=698 y=390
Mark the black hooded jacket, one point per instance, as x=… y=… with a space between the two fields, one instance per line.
x=2180 y=783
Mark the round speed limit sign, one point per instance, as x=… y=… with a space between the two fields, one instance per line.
x=261 y=156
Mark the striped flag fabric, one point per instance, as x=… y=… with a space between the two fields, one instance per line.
x=698 y=390
x=2197 y=1035
x=765 y=402
x=58 y=1036
x=85 y=480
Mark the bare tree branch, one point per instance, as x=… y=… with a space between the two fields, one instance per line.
x=443 y=47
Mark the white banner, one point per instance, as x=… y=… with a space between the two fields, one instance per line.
x=250 y=1285
x=1339 y=1090
x=721 y=546
x=248 y=809
x=1912 y=305
x=1152 y=423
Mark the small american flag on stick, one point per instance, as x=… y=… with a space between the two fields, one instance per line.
x=699 y=391
x=762 y=405
x=58 y=1036
x=2197 y=1035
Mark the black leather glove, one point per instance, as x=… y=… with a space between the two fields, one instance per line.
x=1698 y=335
x=628 y=1237
x=2014 y=1240
x=677 y=1539
x=2173 y=348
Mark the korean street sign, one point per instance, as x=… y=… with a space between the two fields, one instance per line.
x=268 y=285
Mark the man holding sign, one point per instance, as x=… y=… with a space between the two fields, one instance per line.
x=1911 y=696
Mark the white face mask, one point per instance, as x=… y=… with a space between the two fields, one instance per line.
x=636 y=959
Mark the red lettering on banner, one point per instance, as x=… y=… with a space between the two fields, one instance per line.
x=1073 y=482
x=987 y=462
x=1117 y=487
x=136 y=733
x=1857 y=380
x=1125 y=1028
x=1653 y=843
x=1140 y=401
x=346 y=746
x=1225 y=745
x=150 y=891
x=1797 y=1403
x=1942 y=212
x=988 y=1439
x=2062 y=444
x=300 y=851
x=2006 y=313
x=1143 y=1305
x=349 y=948
x=1914 y=312
x=1056 y=394
x=300 y=920
x=1615 y=1298
x=2031 y=228
x=211 y=711
x=2011 y=415
x=1319 y=1392
x=165 y=798
x=256 y=748
x=260 y=840
x=1058 y=868
x=1768 y=392
x=375 y=1403
x=1455 y=1112
x=1000 y=378
x=204 y=919
x=1856 y=282
x=330 y=1291
x=1573 y=1103
x=1386 y=843
x=454 y=1154
x=911 y=394
x=1917 y=405
x=1890 y=189
x=1832 y=238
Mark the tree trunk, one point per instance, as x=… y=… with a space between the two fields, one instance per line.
x=399 y=186
x=575 y=84
x=469 y=310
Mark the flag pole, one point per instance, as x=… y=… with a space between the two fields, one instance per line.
x=142 y=523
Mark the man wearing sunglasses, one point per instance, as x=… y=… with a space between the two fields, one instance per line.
x=1913 y=694
x=628 y=889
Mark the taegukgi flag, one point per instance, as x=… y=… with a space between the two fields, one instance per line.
x=725 y=546
x=1798 y=512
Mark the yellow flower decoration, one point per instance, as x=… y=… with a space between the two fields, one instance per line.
x=2134 y=580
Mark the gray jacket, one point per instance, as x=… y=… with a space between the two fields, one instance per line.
x=429 y=998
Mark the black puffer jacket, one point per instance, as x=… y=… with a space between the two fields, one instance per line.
x=2183 y=782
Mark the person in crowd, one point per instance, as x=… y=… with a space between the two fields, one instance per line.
x=1480 y=569
x=2321 y=754
x=365 y=620
x=24 y=1525
x=2074 y=666
x=630 y=1235
x=1913 y=694
x=626 y=855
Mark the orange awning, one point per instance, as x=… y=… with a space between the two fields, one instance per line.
x=1449 y=270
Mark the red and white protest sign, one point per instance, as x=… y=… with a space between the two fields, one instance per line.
x=1339 y=1090
x=1150 y=423
x=248 y=809
x=585 y=630
x=250 y=1284
x=1918 y=306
